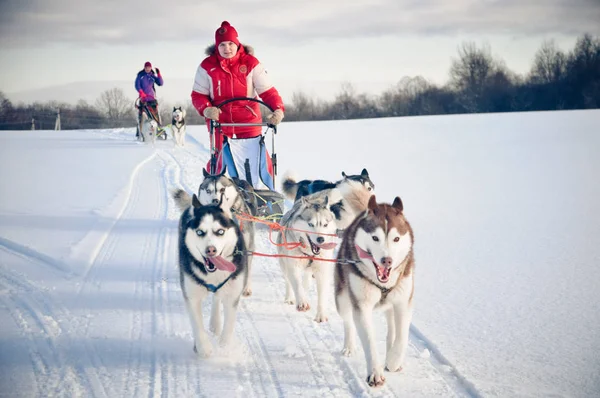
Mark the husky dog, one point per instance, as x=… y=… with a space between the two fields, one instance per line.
x=294 y=190
x=346 y=197
x=375 y=270
x=212 y=258
x=178 y=125
x=219 y=188
x=307 y=228
x=149 y=130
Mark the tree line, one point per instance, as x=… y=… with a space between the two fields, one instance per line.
x=478 y=83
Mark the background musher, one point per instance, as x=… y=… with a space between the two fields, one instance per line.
x=230 y=71
x=144 y=85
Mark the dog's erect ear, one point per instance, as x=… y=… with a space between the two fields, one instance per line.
x=364 y=173
x=344 y=175
x=195 y=201
x=205 y=173
x=398 y=204
x=174 y=109
x=372 y=203
x=222 y=173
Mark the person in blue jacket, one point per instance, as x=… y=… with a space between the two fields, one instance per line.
x=145 y=86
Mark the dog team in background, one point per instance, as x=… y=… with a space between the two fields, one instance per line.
x=373 y=269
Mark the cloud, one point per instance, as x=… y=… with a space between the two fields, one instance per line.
x=35 y=23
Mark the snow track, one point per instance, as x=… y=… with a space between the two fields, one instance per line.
x=114 y=322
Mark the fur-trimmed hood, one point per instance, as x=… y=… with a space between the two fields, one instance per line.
x=210 y=50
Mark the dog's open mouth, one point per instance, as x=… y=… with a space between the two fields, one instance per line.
x=383 y=273
x=213 y=263
x=315 y=248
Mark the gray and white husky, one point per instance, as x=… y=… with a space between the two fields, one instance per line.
x=212 y=259
x=219 y=188
x=307 y=228
x=347 y=197
x=178 y=125
x=375 y=270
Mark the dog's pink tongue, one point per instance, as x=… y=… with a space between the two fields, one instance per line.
x=362 y=253
x=328 y=246
x=222 y=264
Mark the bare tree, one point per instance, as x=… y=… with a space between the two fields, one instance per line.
x=115 y=105
x=549 y=64
x=472 y=67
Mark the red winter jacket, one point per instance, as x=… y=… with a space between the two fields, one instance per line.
x=218 y=79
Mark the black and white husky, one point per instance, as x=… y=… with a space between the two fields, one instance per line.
x=375 y=271
x=178 y=125
x=346 y=197
x=212 y=259
x=219 y=188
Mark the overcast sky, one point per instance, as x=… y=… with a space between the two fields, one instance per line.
x=309 y=45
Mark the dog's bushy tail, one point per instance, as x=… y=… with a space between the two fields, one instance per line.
x=289 y=185
x=183 y=200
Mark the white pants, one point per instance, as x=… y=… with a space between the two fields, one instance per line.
x=247 y=148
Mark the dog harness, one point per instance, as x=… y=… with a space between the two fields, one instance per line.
x=213 y=288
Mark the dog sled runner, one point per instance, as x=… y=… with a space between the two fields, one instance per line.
x=269 y=202
x=150 y=109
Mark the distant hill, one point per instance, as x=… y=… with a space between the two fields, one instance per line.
x=177 y=90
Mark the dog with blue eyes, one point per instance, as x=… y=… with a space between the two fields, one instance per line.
x=212 y=259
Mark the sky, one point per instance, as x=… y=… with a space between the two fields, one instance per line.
x=311 y=46
x=507 y=241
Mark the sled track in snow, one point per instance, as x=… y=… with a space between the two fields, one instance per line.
x=51 y=348
x=100 y=238
x=439 y=361
x=27 y=252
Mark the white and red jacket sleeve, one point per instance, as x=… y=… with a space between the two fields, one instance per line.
x=201 y=90
x=264 y=88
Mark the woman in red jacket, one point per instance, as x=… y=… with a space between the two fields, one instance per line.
x=229 y=71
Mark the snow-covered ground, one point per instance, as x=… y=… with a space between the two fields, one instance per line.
x=506 y=216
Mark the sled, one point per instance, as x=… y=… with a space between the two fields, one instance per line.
x=269 y=202
x=161 y=133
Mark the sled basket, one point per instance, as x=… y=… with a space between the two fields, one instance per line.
x=269 y=203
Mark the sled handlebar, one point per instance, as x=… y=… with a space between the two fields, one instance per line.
x=216 y=123
x=243 y=124
x=244 y=99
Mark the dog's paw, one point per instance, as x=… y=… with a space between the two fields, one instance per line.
x=247 y=292
x=321 y=317
x=376 y=378
x=393 y=362
x=303 y=307
x=348 y=351
x=215 y=328
x=205 y=350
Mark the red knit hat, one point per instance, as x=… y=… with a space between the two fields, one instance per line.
x=226 y=33
x=148 y=64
